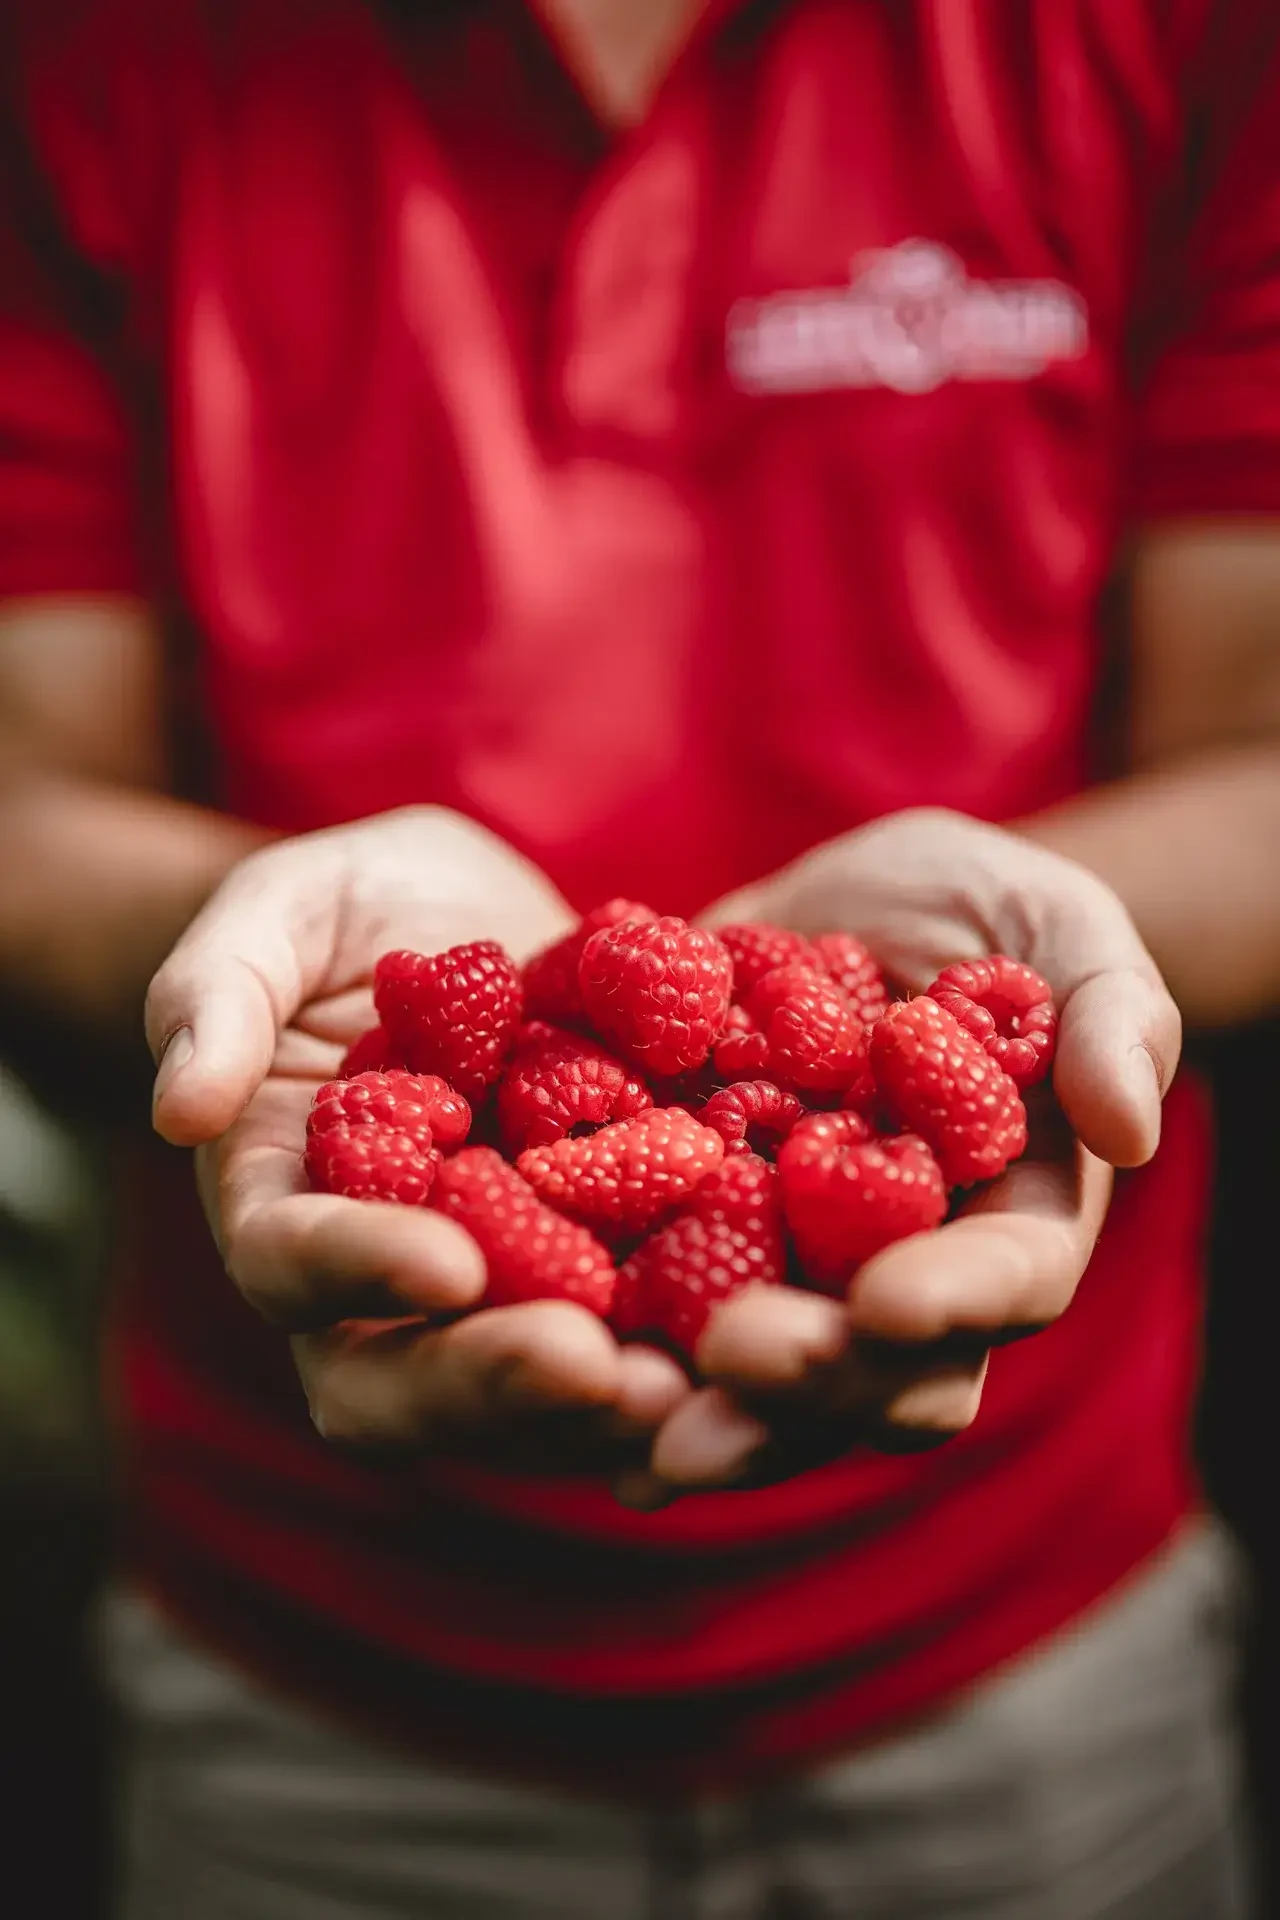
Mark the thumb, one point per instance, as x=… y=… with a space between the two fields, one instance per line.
x=216 y=1008
x=1120 y=1032
x=1118 y=1047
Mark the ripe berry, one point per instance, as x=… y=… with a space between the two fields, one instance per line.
x=659 y=990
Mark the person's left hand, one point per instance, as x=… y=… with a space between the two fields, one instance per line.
x=797 y=1378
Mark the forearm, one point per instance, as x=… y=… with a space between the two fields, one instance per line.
x=1193 y=850
x=96 y=883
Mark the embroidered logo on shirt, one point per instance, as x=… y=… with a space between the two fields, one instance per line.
x=910 y=320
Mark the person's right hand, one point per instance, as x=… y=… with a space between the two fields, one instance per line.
x=249 y=1015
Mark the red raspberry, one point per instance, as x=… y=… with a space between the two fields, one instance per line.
x=551 y=990
x=531 y=1252
x=742 y=1049
x=1008 y=1008
x=847 y=1194
x=772 y=988
x=453 y=1013
x=418 y=1104
x=728 y=1237
x=817 y=1042
x=660 y=990
x=855 y=970
x=937 y=1080
x=745 y=1112
x=364 y=1162
x=627 y=1175
x=757 y=948
x=371 y=1053
x=558 y=1082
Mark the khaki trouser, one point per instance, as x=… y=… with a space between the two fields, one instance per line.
x=1095 y=1778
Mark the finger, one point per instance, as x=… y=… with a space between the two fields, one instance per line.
x=237 y=976
x=1013 y=1259
x=1119 y=1039
x=316 y=1259
x=651 y=1386
x=769 y=1339
x=937 y=1404
x=408 y=1387
x=713 y=1439
x=709 y=1441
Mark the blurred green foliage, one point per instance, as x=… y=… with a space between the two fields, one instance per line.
x=51 y=1215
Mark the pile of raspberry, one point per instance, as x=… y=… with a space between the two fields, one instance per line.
x=650 y=1116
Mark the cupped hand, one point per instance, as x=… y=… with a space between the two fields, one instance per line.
x=251 y=1012
x=798 y=1378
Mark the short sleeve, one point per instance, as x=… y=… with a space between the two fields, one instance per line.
x=1208 y=430
x=69 y=482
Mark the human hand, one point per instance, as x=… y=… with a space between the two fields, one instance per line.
x=797 y=1378
x=249 y=1015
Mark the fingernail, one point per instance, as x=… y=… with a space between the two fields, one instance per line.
x=178 y=1053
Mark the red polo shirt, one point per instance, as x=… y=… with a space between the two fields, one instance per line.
x=667 y=502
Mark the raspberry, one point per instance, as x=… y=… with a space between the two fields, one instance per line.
x=938 y=1081
x=1008 y=1008
x=660 y=990
x=742 y=1049
x=856 y=971
x=757 y=948
x=558 y=1082
x=772 y=988
x=371 y=1053
x=728 y=1237
x=551 y=990
x=627 y=1175
x=817 y=1042
x=847 y=1195
x=531 y=1252
x=364 y=1162
x=741 y=1114
x=453 y=1013
x=417 y=1104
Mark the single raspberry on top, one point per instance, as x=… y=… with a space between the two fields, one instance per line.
x=752 y=1115
x=557 y=1083
x=659 y=990
x=758 y=948
x=453 y=1013
x=856 y=971
x=939 y=1082
x=531 y=1252
x=630 y=1173
x=412 y=1103
x=363 y=1162
x=847 y=1195
x=551 y=990
x=728 y=1236
x=1008 y=1008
